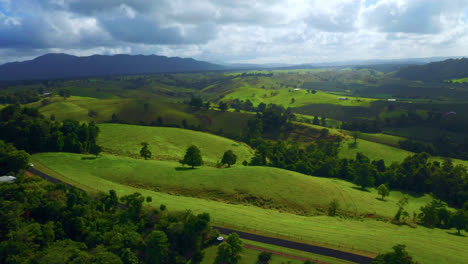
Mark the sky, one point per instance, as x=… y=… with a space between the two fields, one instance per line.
x=236 y=31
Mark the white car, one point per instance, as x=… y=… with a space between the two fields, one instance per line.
x=30 y=164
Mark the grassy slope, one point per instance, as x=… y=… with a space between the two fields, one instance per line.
x=368 y=144
x=427 y=245
x=132 y=111
x=284 y=188
x=301 y=97
x=168 y=143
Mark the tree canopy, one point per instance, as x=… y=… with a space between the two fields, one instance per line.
x=192 y=157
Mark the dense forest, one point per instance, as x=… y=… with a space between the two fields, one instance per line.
x=50 y=223
x=28 y=130
x=436 y=71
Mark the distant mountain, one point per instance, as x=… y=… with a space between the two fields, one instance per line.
x=436 y=71
x=51 y=66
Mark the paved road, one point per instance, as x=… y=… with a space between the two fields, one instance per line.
x=299 y=246
x=263 y=239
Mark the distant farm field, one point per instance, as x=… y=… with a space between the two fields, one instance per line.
x=168 y=143
x=364 y=234
x=301 y=98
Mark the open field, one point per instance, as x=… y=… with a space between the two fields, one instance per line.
x=301 y=98
x=261 y=186
x=133 y=111
x=168 y=143
x=346 y=234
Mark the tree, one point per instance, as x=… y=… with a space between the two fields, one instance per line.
x=383 y=191
x=145 y=152
x=398 y=256
x=95 y=149
x=228 y=252
x=65 y=93
x=459 y=220
x=356 y=135
x=157 y=247
x=264 y=257
x=196 y=102
x=223 y=106
x=316 y=121
x=229 y=158
x=192 y=157
x=402 y=203
x=333 y=207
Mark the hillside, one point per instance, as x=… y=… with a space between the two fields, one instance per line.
x=264 y=187
x=52 y=66
x=436 y=71
x=168 y=143
x=348 y=234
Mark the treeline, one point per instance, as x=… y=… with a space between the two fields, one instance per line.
x=416 y=173
x=12 y=160
x=439 y=146
x=19 y=97
x=28 y=130
x=46 y=223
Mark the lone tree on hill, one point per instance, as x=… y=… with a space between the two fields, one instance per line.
x=192 y=157
x=95 y=149
x=229 y=158
x=460 y=220
x=383 y=191
x=145 y=152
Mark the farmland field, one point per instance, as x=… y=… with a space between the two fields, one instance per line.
x=363 y=234
x=168 y=143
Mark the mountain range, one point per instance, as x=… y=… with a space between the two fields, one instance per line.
x=52 y=66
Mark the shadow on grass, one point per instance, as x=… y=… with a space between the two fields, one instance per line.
x=380 y=199
x=88 y=158
x=184 y=168
x=360 y=189
x=456 y=234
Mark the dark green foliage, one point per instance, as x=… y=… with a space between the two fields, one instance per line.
x=223 y=106
x=401 y=213
x=65 y=93
x=435 y=214
x=192 y=157
x=157 y=247
x=229 y=158
x=45 y=223
x=196 y=102
x=398 y=256
x=459 y=220
x=264 y=257
x=11 y=159
x=19 y=97
x=333 y=207
x=95 y=149
x=145 y=152
x=436 y=71
x=30 y=131
x=383 y=190
x=228 y=252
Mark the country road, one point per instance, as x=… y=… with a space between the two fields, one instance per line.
x=263 y=239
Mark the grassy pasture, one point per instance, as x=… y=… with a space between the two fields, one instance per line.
x=284 y=97
x=426 y=245
x=262 y=186
x=133 y=111
x=168 y=143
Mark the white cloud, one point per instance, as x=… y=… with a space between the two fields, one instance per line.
x=291 y=31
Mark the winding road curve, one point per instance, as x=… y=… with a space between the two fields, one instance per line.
x=262 y=239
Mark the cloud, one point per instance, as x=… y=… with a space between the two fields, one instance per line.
x=291 y=31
